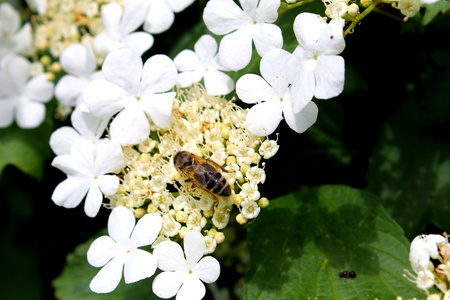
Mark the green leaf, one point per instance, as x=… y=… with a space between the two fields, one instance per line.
x=300 y=243
x=26 y=149
x=74 y=281
x=432 y=10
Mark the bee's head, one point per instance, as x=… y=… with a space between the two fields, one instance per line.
x=182 y=159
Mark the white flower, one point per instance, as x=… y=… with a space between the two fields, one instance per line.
x=425 y=280
x=85 y=126
x=13 y=40
x=119 y=251
x=336 y=9
x=203 y=63
x=422 y=248
x=161 y=15
x=241 y=27
x=183 y=274
x=273 y=88
x=319 y=71
x=20 y=98
x=120 y=28
x=268 y=148
x=86 y=166
x=136 y=91
x=250 y=209
x=79 y=63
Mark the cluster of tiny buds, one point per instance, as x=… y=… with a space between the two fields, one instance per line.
x=212 y=131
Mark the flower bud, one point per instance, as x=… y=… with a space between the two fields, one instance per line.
x=139 y=213
x=263 y=202
x=241 y=219
x=353 y=9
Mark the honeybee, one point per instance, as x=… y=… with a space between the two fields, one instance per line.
x=204 y=173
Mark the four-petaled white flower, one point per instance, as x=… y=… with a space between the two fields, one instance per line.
x=20 y=98
x=319 y=71
x=242 y=26
x=161 y=15
x=183 y=276
x=203 y=63
x=86 y=167
x=274 y=90
x=85 y=126
x=422 y=248
x=79 y=63
x=119 y=251
x=119 y=28
x=136 y=90
x=13 y=40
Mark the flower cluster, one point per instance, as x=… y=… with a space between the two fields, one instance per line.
x=209 y=127
x=430 y=260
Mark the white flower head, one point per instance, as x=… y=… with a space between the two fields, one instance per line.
x=161 y=15
x=242 y=26
x=137 y=91
x=422 y=248
x=203 y=63
x=120 y=27
x=320 y=71
x=21 y=98
x=12 y=39
x=183 y=274
x=119 y=251
x=79 y=63
x=272 y=92
x=86 y=167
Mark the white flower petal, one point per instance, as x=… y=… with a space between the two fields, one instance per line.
x=167 y=284
x=218 y=83
x=108 y=184
x=69 y=88
x=302 y=90
x=130 y=126
x=331 y=41
x=194 y=247
x=133 y=15
x=102 y=250
x=267 y=10
x=93 y=200
x=88 y=125
x=6 y=112
x=273 y=66
x=120 y=224
x=39 y=88
x=186 y=60
x=252 y=88
x=264 y=118
x=330 y=76
x=308 y=28
x=224 y=16
x=187 y=78
x=139 y=41
x=111 y=15
x=108 y=277
x=109 y=157
x=18 y=69
x=179 y=5
x=123 y=67
x=159 y=108
x=62 y=139
x=192 y=289
x=104 y=44
x=235 y=49
x=170 y=257
x=302 y=120
x=140 y=265
x=104 y=98
x=22 y=40
x=159 y=74
x=30 y=114
x=9 y=18
x=146 y=230
x=159 y=18
x=206 y=47
x=78 y=60
x=70 y=192
x=267 y=37
x=207 y=269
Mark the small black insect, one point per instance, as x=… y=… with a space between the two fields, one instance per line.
x=347 y=274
